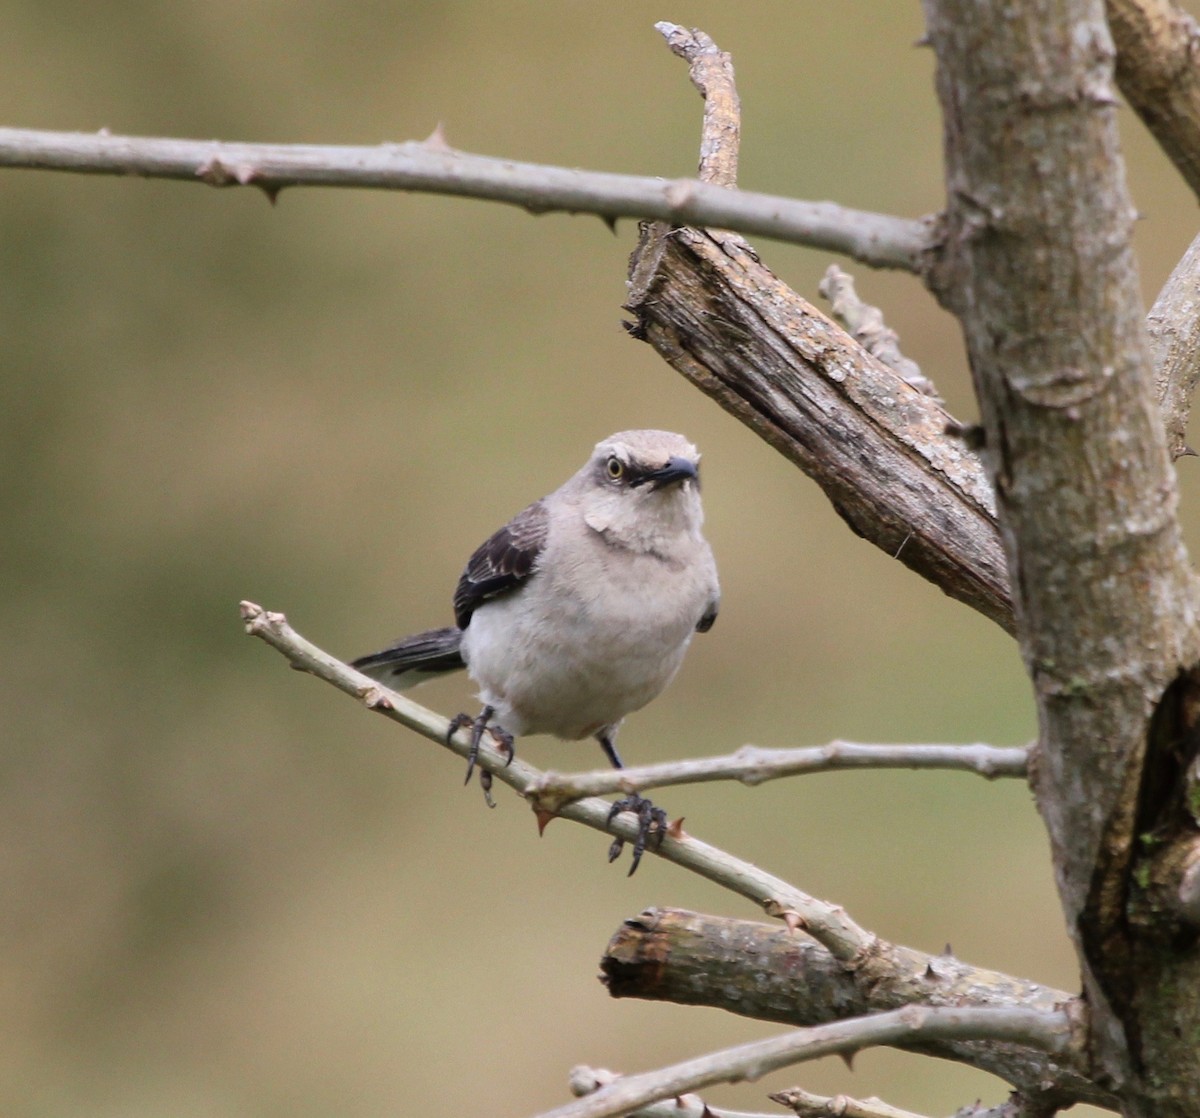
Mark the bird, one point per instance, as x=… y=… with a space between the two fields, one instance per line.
x=579 y=610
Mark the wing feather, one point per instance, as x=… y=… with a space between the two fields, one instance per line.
x=503 y=562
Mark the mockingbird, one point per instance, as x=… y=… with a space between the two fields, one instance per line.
x=580 y=609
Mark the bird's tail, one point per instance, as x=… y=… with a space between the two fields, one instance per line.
x=414 y=659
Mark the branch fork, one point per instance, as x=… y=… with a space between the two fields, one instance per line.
x=851 y=949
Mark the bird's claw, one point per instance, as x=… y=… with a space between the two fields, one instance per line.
x=502 y=738
x=456 y=724
x=652 y=825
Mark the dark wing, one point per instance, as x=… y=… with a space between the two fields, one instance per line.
x=709 y=616
x=503 y=562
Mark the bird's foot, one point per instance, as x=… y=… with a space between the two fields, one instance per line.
x=502 y=738
x=652 y=825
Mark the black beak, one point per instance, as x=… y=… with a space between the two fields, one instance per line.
x=676 y=469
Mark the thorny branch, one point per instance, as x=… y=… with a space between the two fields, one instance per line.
x=433 y=167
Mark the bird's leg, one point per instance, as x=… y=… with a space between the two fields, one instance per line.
x=503 y=739
x=652 y=820
x=610 y=750
x=477 y=724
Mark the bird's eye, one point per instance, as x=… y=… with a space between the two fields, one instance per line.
x=615 y=468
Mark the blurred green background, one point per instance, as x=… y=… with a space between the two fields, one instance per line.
x=224 y=889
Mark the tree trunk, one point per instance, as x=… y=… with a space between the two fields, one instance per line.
x=1040 y=270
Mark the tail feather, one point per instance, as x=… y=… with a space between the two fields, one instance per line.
x=413 y=660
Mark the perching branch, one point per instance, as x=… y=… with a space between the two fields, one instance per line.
x=880 y=965
x=826 y=923
x=434 y=168
x=1050 y=1031
x=752 y=764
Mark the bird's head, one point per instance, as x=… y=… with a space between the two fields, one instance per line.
x=642 y=488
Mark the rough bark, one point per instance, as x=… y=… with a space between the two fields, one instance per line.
x=1173 y=326
x=879 y=448
x=1044 y=282
x=769 y=973
x=1157 y=47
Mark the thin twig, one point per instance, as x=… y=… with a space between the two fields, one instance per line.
x=587 y=1080
x=900 y=1028
x=808 y=1105
x=752 y=764
x=826 y=923
x=866 y=326
x=711 y=72
x=432 y=167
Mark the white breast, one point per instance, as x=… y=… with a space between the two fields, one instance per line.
x=594 y=635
